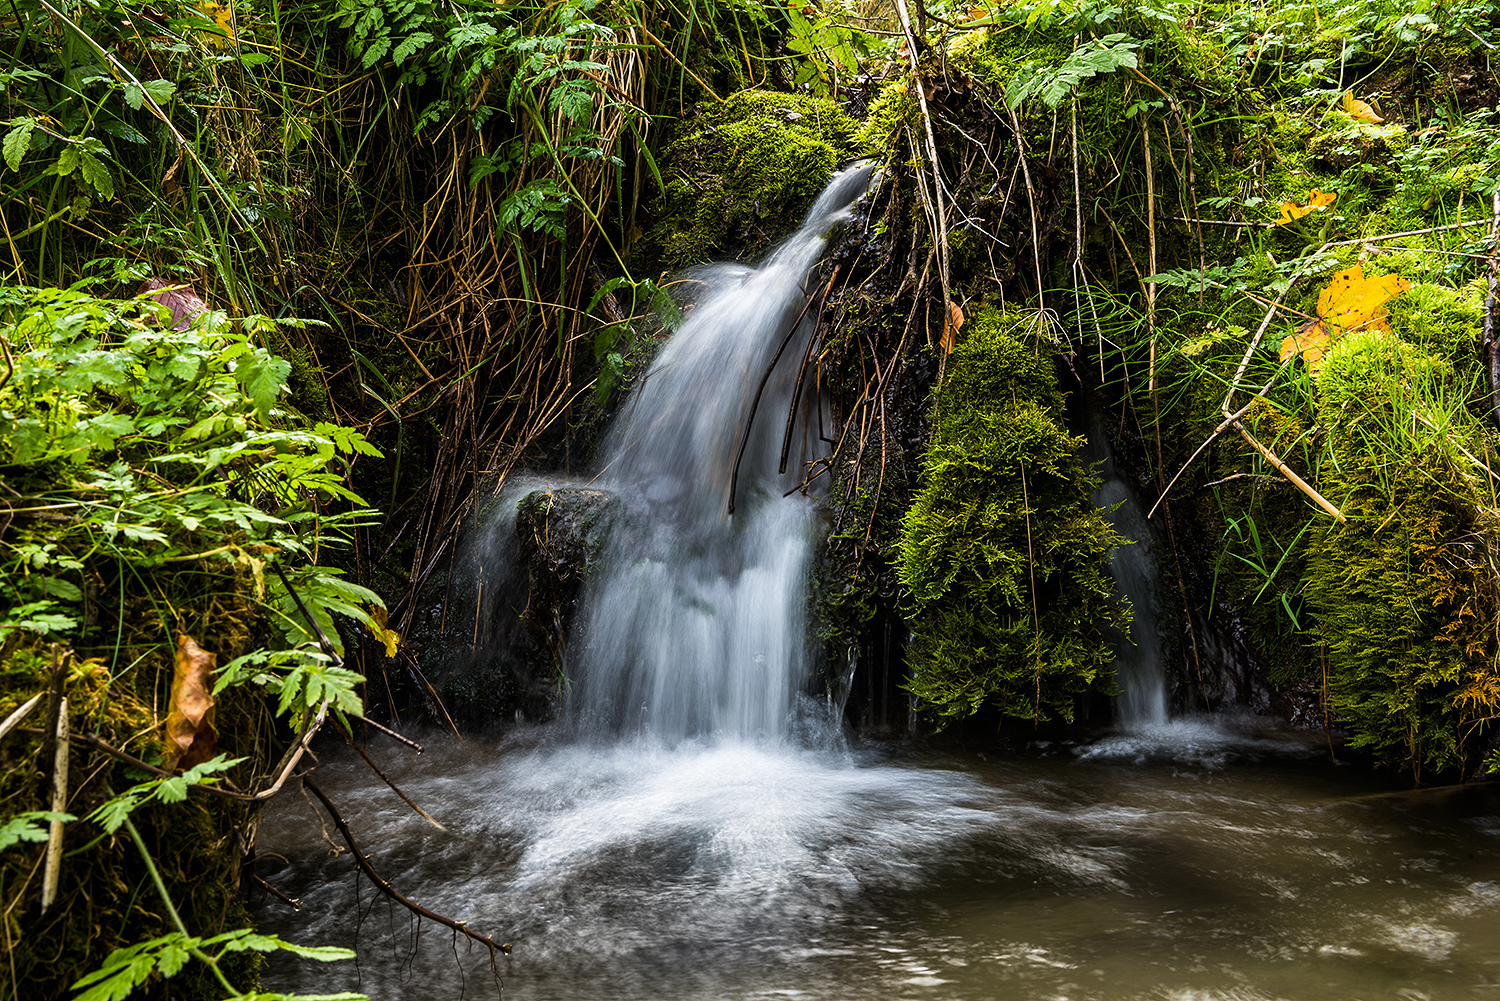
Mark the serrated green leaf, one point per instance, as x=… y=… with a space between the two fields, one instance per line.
x=28 y=827
x=96 y=174
x=18 y=141
x=262 y=376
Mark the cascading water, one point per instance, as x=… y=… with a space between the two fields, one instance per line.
x=690 y=858
x=695 y=623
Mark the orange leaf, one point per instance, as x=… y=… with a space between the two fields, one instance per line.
x=1316 y=201
x=1359 y=110
x=1350 y=302
x=952 y=321
x=190 y=715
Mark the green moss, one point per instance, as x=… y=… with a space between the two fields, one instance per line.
x=892 y=108
x=1002 y=553
x=1403 y=592
x=741 y=175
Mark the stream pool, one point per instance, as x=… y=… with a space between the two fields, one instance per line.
x=1188 y=862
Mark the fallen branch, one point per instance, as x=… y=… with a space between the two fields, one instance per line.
x=363 y=861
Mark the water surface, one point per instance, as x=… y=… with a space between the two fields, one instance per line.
x=1188 y=862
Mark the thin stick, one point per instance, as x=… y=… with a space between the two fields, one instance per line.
x=932 y=155
x=734 y=475
x=1228 y=423
x=812 y=343
x=1286 y=471
x=386 y=779
x=292 y=902
x=53 y=871
x=363 y=861
x=21 y=713
x=390 y=733
x=1036 y=249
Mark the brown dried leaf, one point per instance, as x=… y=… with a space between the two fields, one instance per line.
x=953 y=319
x=191 y=738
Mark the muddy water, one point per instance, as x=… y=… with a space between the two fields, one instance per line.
x=1190 y=862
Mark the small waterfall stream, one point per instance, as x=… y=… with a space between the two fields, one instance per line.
x=696 y=623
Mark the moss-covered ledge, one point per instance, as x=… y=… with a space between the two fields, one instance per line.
x=740 y=175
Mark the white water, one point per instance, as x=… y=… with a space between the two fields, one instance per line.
x=695 y=623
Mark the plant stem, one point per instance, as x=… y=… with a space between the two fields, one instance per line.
x=166 y=899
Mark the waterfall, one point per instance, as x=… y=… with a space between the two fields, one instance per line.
x=1139 y=658
x=695 y=622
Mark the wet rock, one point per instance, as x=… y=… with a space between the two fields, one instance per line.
x=562 y=531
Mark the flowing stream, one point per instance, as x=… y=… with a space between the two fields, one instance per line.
x=699 y=829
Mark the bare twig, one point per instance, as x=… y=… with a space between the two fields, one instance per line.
x=53 y=871
x=386 y=779
x=389 y=733
x=20 y=713
x=734 y=475
x=363 y=861
x=812 y=344
x=940 y=217
x=1285 y=470
x=293 y=902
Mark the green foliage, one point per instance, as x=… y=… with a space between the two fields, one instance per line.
x=1404 y=592
x=28 y=827
x=130 y=967
x=1002 y=553
x=154 y=446
x=113 y=813
x=1102 y=55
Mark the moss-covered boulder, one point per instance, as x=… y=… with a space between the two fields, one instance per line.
x=1405 y=591
x=741 y=174
x=1002 y=552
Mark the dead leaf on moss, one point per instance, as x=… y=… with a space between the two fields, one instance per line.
x=191 y=738
x=1316 y=202
x=952 y=321
x=1359 y=110
x=1350 y=302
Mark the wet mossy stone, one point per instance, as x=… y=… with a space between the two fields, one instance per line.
x=1002 y=554
x=741 y=175
x=561 y=532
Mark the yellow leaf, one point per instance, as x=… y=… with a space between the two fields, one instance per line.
x=190 y=714
x=222 y=17
x=1359 y=110
x=389 y=637
x=1316 y=201
x=1350 y=302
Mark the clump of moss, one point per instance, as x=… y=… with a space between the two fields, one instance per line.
x=1405 y=591
x=1002 y=553
x=742 y=173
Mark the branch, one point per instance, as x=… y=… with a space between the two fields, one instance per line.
x=363 y=861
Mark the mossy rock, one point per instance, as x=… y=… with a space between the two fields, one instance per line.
x=1404 y=592
x=741 y=175
x=1002 y=553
